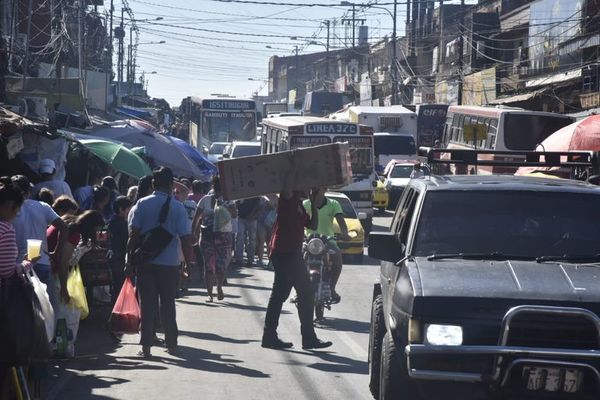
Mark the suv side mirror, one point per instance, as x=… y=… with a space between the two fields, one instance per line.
x=385 y=246
x=362 y=215
x=225 y=155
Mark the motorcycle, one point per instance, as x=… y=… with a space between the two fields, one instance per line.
x=317 y=252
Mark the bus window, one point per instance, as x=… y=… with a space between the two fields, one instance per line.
x=492 y=134
x=526 y=131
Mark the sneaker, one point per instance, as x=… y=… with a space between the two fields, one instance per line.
x=335 y=297
x=315 y=344
x=145 y=352
x=275 y=343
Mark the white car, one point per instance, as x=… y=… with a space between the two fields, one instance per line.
x=397 y=175
x=215 y=152
x=242 y=149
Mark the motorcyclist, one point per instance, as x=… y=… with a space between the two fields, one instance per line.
x=330 y=209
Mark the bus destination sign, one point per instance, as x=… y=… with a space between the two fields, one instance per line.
x=333 y=127
x=308 y=141
x=228 y=104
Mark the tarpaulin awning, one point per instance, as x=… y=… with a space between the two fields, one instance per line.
x=206 y=166
x=517 y=98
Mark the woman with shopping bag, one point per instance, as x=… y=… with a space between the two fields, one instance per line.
x=22 y=332
x=73 y=305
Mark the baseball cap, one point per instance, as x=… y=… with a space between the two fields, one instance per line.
x=47 y=166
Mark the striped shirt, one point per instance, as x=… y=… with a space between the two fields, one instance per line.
x=8 y=250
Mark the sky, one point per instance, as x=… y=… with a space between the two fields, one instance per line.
x=213 y=46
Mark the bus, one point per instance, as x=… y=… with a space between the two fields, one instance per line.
x=499 y=128
x=394 y=127
x=431 y=119
x=288 y=133
x=274 y=108
x=220 y=120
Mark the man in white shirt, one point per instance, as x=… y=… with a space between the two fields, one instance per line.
x=47 y=169
x=31 y=223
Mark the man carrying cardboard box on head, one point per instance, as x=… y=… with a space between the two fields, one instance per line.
x=290 y=271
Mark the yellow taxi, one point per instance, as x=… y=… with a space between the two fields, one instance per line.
x=352 y=249
x=381 y=197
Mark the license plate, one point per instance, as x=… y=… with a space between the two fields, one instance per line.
x=565 y=380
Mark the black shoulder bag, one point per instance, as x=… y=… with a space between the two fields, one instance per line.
x=153 y=242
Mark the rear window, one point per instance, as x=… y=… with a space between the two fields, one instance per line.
x=391 y=144
x=526 y=131
x=401 y=171
x=245 y=151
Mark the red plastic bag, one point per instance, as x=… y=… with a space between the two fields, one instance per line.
x=126 y=314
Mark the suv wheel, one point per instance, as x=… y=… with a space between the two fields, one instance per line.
x=394 y=382
x=375 y=338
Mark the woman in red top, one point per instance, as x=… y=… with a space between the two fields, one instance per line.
x=82 y=232
x=290 y=271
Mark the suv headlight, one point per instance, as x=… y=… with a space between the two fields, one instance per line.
x=443 y=335
x=315 y=246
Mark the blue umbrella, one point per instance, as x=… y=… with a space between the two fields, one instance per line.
x=202 y=162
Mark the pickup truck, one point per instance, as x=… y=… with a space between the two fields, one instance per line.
x=489 y=287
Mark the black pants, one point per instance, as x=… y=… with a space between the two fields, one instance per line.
x=154 y=282
x=290 y=271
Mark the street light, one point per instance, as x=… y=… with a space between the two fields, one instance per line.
x=314 y=42
x=161 y=42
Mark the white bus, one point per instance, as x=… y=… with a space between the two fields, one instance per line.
x=394 y=127
x=499 y=128
x=220 y=120
x=287 y=133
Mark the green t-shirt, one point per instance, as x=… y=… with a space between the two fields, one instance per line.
x=327 y=214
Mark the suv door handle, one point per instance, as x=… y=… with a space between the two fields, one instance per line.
x=389 y=280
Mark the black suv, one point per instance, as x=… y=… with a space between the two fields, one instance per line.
x=489 y=288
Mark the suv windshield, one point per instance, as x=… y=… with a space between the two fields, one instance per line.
x=401 y=171
x=522 y=223
x=217 y=148
x=245 y=151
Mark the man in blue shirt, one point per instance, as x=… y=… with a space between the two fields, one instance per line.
x=158 y=278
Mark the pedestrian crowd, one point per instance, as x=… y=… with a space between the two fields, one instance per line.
x=158 y=233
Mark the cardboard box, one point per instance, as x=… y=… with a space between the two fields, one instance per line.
x=326 y=165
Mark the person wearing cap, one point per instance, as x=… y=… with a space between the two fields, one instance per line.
x=47 y=169
x=157 y=279
x=31 y=223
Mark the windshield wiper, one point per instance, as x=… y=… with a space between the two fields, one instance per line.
x=480 y=256
x=570 y=258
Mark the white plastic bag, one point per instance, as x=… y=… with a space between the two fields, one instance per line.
x=64 y=342
x=41 y=292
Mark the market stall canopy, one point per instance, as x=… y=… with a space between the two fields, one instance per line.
x=118 y=157
x=583 y=135
x=206 y=166
x=159 y=148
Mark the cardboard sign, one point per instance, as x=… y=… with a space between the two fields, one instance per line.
x=327 y=165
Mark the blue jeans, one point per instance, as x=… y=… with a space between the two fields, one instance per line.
x=246 y=227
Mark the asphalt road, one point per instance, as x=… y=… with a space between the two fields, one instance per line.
x=220 y=355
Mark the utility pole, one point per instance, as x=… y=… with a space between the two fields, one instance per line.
x=80 y=49
x=394 y=60
x=296 y=74
x=26 y=59
x=327 y=23
x=461 y=32
x=441 y=48
x=120 y=34
x=353 y=20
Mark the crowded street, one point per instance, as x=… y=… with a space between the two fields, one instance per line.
x=221 y=357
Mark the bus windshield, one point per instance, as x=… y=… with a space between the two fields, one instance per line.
x=221 y=126
x=393 y=144
x=361 y=160
x=526 y=131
